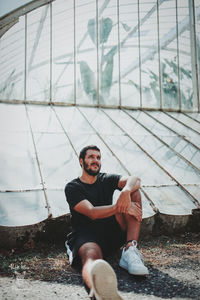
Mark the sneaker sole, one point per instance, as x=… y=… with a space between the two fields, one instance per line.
x=124 y=266
x=104 y=281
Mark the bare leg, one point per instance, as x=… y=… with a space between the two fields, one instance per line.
x=131 y=258
x=97 y=274
x=129 y=222
x=133 y=225
x=88 y=253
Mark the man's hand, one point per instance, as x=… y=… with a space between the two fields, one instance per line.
x=135 y=211
x=124 y=202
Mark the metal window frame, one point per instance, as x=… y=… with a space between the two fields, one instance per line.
x=194 y=58
x=12 y=18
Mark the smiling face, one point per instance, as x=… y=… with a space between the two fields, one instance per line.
x=92 y=162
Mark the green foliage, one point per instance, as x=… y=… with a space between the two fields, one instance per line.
x=126 y=27
x=169 y=71
x=88 y=79
x=169 y=85
x=106 y=76
x=106 y=68
x=107 y=57
x=105 y=29
x=91 y=29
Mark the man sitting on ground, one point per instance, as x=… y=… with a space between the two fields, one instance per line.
x=100 y=227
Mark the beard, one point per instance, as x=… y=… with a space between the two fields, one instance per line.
x=90 y=171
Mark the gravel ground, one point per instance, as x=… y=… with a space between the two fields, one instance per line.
x=41 y=271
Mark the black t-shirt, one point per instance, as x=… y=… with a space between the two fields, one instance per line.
x=99 y=193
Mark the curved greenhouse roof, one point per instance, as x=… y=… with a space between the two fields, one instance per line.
x=7 y=7
x=124 y=75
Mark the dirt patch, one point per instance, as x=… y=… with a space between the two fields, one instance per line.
x=41 y=271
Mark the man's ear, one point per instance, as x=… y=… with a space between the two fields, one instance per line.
x=81 y=162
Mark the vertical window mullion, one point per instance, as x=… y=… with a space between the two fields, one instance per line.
x=178 y=63
x=51 y=45
x=159 y=59
x=25 y=60
x=194 y=58
x=119 y=61
x=74 y=52
x=140 y=69
x=97 y=46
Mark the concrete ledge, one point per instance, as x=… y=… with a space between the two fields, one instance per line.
x=55 y=230
x=51 y=230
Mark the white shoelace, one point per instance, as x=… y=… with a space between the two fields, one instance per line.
x=134 y=252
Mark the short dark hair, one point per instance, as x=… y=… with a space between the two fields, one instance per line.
x=85 y=149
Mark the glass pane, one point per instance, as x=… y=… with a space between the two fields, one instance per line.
x=173 y=164
x=86 y=52
x=179 y=128
x=20 y=209
x=63 y=51
x=186 y=121
x=147 y=210
x=178 y=202
x=194 y=190
x=174 y=141
x=195 y=116
x=38 y=54
x=166 y=158
x=57 y=159
x=19 y=169
x=149 y=54
x=57 y=202
x=168 y=54
x=108 y=54
x=136 y=161
x=13 y=118
x=72 y=121
x=185 y=67
x=126 y=150
x=129 y=53
x=56 y=156
x=100 y=122
x=43 y=119
x=12 y=60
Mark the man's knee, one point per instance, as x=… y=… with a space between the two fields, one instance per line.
x=90 y=251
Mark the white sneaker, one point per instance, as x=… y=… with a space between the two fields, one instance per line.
x=132 y=261
x=104 y=281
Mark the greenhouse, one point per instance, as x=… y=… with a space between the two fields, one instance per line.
x=123 y=75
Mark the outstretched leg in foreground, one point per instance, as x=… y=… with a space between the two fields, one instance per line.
x=97 y=274
x=131 y=259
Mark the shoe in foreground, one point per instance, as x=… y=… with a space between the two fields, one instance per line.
x=104 y=281
x=132 y=261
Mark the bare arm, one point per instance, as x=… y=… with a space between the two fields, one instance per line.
x=95 y=212
x=128 y=185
